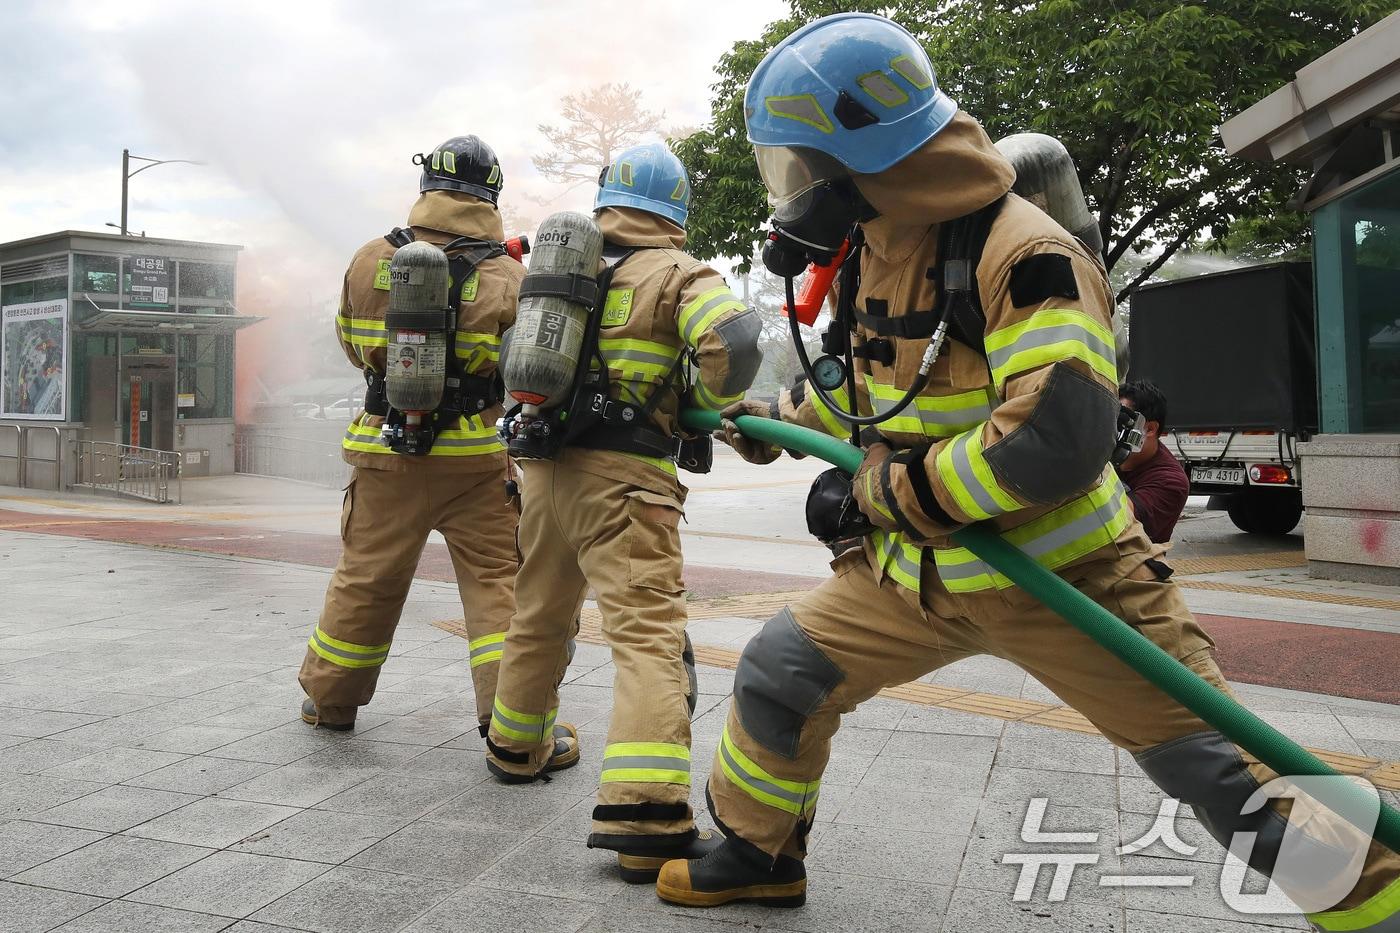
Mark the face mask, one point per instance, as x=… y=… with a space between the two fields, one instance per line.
x=811 y=227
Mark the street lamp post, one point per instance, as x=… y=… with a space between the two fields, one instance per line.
x=127 y=174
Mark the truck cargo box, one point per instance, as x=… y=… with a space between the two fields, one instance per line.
x=1232 y=351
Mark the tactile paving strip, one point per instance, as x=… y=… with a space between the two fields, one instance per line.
x=1011 y=709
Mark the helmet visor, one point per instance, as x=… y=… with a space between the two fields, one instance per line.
x=788 y=172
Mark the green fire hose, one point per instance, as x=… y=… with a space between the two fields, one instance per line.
x=1182 y=684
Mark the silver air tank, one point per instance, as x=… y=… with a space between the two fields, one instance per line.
x=1045 y=176
x=417 y=324
x=547 y=340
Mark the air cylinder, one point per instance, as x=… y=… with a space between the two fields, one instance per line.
x=417 y=323
x=547 y=340
x=1045 y=176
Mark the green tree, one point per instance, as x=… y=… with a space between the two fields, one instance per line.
x=1134 y=88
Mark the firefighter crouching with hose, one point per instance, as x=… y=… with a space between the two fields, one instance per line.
x=600 y=367
x=984 y=380
x=426 y=304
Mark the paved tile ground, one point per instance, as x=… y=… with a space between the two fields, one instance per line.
x=154 y=776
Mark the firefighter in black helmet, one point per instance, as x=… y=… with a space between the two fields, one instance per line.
x=457 y=486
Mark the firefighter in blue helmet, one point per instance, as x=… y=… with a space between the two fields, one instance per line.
x=604 y=513
x=1012 y=422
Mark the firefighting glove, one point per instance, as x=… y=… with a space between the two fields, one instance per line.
x=869 y=486
x=751 y=450
x=832 y=515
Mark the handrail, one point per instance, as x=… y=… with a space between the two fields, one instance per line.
x=128 y=470
x=287 y=456
x=22 y=458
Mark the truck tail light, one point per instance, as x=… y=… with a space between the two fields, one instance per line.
x=1269 y=473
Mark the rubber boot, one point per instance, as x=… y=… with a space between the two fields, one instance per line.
x=643 y=867
x=565 y=755
x=734 y=871
x=311 y=716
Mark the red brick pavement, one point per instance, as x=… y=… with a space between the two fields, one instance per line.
x=1316 y=658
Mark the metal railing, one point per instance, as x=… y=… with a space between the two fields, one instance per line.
x=15 y=466
x=139 y=472
x=286 y=456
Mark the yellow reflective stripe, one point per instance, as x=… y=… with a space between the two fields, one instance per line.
x=477 y=349
x=795 y=797
x=1050 y=336
x=1074 y=530
x=704 y=398
x=362 y=331
x=696 y=317
x=967 y=475
x=664 y=465
x=931 y=415
x=487 y=648
x=834 y=426
x=474 y=439
x=646 y=763
x=346 y=653
x=523 y=727
x=1378 y=908
x=899 y=561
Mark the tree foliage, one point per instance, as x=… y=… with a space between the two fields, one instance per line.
x=1134 y=88
x=596 y=123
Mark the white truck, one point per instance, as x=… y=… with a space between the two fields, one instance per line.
x=1234 y=354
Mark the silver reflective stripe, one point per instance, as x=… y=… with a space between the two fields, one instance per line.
x=348 y=655
x=484 y=441
x=638 y=356
x=646 y=761
x=1084 y=525
x=1043 y=544
x=962 y=466
x=901 y=559
x=364 y=331
x=699 y=315
x=782 y=793
x=494 y=648
x=529 y=728
x=1044 y=336
x=938 y=419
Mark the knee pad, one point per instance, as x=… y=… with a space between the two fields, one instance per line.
x=781 y=679
x=1205 y=770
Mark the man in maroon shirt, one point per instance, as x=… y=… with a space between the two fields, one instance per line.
x=1157 y=485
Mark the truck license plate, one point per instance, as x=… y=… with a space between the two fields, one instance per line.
x=1224 y=476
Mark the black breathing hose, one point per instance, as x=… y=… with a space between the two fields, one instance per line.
x=935 y=344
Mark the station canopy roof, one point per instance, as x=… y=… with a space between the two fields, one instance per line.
x=132 y=321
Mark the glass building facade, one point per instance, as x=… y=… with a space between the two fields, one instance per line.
x=127 y=339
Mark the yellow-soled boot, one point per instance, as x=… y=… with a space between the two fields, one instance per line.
x=734 y=871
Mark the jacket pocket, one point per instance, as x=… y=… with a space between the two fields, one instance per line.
x=347 y=505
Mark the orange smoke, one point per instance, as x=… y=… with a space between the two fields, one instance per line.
x=275 y=351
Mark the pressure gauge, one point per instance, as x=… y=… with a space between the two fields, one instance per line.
x=829 y=373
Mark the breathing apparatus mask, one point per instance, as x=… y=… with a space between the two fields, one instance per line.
x=815 y=204
x=816 y=210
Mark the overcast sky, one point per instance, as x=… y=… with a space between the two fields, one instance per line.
x=308 y=111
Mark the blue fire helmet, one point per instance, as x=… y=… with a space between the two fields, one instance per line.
x=648 y=177
x=856 y=88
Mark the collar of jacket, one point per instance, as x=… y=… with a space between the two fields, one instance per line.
x=952 y=174
x=457 y=213
x=628 y=226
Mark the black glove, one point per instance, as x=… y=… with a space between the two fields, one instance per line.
x=832 y=513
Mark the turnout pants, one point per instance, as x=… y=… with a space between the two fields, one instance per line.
x=384 y=524
x=579 y=530
x=853 y=636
